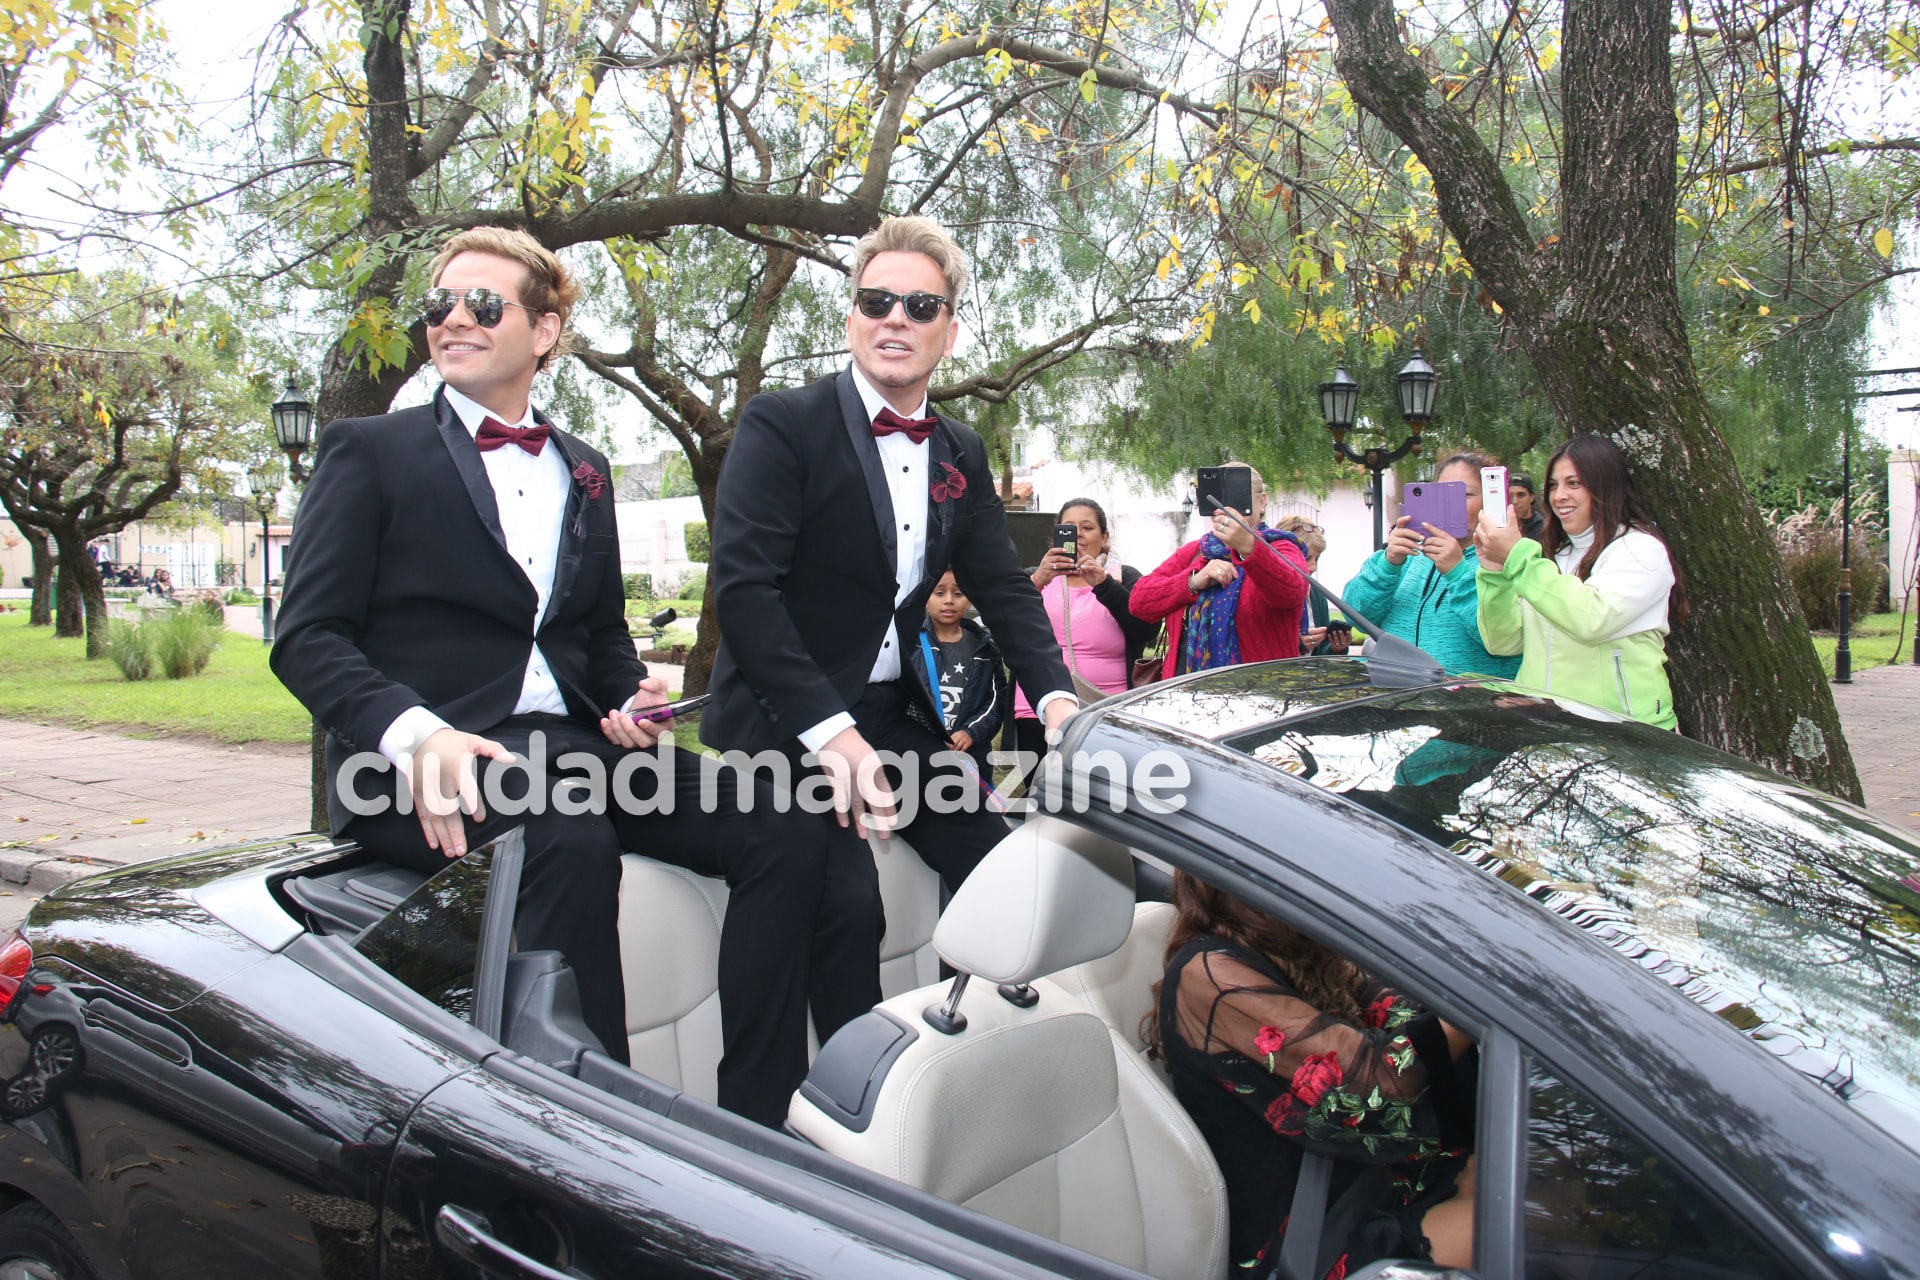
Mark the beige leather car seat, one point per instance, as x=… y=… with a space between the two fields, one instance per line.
x=1035 y=1111
x=670 y=922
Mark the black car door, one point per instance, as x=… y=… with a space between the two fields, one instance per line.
x=514 y=1171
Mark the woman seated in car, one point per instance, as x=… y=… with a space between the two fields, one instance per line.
x=1278 y=1046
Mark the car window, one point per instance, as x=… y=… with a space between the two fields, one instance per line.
x=430 y=941
x=1788 y=914
x=1601 y=1204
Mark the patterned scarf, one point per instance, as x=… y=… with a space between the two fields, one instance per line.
x=1209 y=638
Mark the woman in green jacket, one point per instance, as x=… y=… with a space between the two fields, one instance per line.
x=1588 y=606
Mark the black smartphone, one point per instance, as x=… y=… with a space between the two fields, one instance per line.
x=1066 y=537
x=669 y=710
x=1232 y=486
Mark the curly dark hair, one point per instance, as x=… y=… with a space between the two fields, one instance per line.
x=1328 y=980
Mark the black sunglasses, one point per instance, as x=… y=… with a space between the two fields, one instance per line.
x=484 y=305
x=922 y=308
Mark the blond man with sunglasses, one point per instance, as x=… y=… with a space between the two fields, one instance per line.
x=841 y=505
x=454 y=600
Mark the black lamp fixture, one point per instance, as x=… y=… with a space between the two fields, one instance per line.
x=1339 y=408
x=1186 y=512
x=293 y=427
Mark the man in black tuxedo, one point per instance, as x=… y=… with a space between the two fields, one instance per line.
x=841 y=505
x=454 y=598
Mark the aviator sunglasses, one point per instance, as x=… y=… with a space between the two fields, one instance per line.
x=876 y=304
x=484 y=305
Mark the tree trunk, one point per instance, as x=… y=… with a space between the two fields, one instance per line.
x=69 y=609
x=81 y=576
x=317 y=778
x=40 y=613
x=1598 y=311
x=706 y=639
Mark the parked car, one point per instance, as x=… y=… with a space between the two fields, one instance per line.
x=1695 y=987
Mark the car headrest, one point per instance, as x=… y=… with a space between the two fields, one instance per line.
x=1048 y=896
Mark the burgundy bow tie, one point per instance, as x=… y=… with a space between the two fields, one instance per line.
x=493 y=433
x=886 y=422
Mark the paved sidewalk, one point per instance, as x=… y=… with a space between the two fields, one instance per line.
x=1881 y=712
x=73 y=802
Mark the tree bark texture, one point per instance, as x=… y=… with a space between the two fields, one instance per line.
x=40 y=611
x=1597 y=308
x=81 y=576
x=69 y=610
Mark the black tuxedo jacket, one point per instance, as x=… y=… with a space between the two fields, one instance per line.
x=803 y=565
x=400 y=591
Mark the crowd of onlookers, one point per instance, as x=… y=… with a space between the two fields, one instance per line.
x=1572 y=595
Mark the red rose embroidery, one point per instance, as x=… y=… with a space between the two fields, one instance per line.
x=591 y=482
x=1269 y=1041
x=1338 y=1271
x=1377 y=1011
x=951 y=485
x=1280 y=1117
x=1319 y=1073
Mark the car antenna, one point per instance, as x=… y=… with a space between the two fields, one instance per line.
x=1392 y=663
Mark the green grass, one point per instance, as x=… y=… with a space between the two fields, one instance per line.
x=1870 y=640
x=236 y=699
x=685 y=608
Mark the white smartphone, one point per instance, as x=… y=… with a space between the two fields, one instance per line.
x=1493 y=494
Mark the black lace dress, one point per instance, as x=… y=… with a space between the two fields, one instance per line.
x=1266 y=1076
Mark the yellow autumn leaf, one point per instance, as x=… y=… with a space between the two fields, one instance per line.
x=1883 y=241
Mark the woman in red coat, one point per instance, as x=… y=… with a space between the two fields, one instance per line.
x=1225 y=600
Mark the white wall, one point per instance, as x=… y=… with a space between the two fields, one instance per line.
x=1903 y=488
x=653 y=535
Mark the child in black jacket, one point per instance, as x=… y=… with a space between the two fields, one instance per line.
x=960 y=666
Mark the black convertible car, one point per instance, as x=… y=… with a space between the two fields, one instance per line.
x=1695 y=988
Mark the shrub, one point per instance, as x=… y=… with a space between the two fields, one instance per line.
x=183 y=642
x=638 y=586
x=213 y=608
x=699 y=545
x=240 y=595
x=1809 y=542
x=130 y=648
x=694 y=588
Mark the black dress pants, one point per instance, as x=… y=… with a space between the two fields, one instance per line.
x=779 y=939
x=952 y=843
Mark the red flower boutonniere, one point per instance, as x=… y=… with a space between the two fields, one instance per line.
x=951 y=485
x=591 y=482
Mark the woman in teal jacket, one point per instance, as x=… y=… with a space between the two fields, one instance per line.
x=1420 y=586
x=1588 y=606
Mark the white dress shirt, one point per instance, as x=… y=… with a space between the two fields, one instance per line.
x=905 y=465
x=531 y=492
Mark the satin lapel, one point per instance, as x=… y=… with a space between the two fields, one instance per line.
x=860 y=431
x=940 y=456
x=573 y=538
x=473 y=473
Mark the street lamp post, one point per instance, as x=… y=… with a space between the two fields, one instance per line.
x=1339 y=402
x=293 y=427
x=1843 y=650
x=265 y=479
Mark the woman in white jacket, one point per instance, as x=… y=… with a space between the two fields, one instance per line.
x=1588 y=607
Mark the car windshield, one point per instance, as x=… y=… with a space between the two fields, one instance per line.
x=1794 y=917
